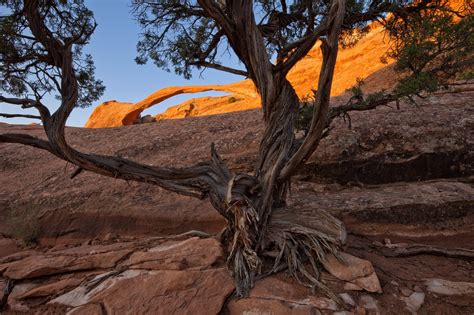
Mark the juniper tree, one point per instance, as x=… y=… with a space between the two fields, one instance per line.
x=41 y=43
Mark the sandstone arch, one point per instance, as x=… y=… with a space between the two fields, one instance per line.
x=116 y=114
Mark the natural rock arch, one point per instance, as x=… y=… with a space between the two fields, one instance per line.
x=116 y=114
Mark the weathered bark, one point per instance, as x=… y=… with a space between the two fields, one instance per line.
x=258 y=224
x=277 y=160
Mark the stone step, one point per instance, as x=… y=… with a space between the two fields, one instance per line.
x=421 y=208
x=384 y=168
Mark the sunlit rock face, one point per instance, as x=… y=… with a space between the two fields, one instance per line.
x=361 y=61
x=116 y=114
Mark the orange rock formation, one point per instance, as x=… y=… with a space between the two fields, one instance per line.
x=360 y=61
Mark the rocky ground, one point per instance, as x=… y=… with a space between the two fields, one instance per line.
x=96 y=245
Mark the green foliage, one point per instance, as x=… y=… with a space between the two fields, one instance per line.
x=26 y=68
x=468 y=75
x=179 y=35
x=417 y=83
x=360 y=100
x=305 y=114
x=431 y=48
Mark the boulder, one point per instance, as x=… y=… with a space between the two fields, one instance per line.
x=414 y=301
x=370 y=305
x=144 y=119
x=348 y=268
x=359 y=272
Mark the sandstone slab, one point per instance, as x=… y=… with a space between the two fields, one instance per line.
x=272 y=295
x=46 y=265
x=8 y=246
x=348 y=268
x=190 y=254
x=169 y=292
x=50 y=289
x=446 y=287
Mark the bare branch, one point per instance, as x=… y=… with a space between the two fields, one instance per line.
x=28 y=103
x=298 y=50
x=26 y=140
x=220 y=67
x=19 y=116
x=76 y=172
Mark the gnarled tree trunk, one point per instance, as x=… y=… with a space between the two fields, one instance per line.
x=261 y=223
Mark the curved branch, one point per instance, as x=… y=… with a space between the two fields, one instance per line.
x=212 y=10
x=220 y=67
x=299 y=49
x=26 y=140
x=27 y=103
x=19 y=116
x=200 y=180
x=329 y=49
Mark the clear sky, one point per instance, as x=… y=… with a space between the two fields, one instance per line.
x=113 y=47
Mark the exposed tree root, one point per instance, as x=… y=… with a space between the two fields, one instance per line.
x=298 y=240
x=246 y=201
x=191 y=233
x=399 y=250
x=297 y=243
x=243 y=260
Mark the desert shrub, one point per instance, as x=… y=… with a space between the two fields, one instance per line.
x=468 y=75
x=22 y=222
x=305 y=113
x=232 y=99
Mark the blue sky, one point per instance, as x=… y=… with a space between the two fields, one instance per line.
x=113 y=47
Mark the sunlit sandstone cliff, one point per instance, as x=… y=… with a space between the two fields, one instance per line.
x=361 y=61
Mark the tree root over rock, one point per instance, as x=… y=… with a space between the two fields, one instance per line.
x=291 y=242
x=405 y=250
x=297 y=239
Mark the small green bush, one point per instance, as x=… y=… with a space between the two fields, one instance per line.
x=22 y=222
x=232 y=99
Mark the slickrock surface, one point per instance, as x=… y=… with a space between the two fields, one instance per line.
x=433 y=141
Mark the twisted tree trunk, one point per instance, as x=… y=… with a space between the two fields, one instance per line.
x=261 y=222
